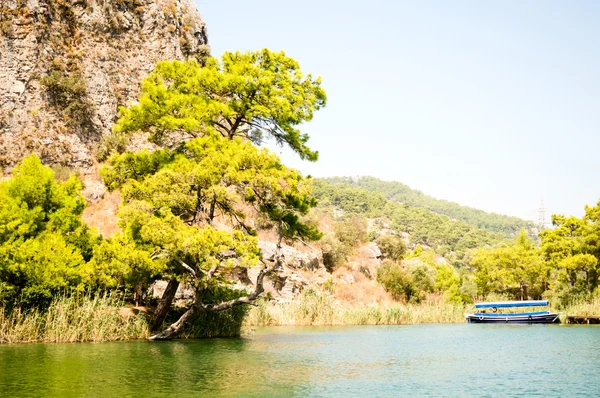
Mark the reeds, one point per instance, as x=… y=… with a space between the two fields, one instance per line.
x=320 y=309
x=589 y=307
x=73 y=319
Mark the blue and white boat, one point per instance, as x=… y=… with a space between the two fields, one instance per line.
x=493 y=316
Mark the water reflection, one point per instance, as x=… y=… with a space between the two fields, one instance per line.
x=441 y=360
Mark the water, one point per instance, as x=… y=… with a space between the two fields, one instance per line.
x=369 y=361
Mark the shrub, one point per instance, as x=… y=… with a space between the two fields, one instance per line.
x=423 y=277
x=348 y=234
x=352 y=231
x=392 y=247
x=113 y=142
x=334 y=252
x=396 y=281
x=62 y=173
x=67 y=92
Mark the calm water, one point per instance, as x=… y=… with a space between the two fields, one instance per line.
x=436 y=360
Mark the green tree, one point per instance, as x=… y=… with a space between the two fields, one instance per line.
x=517 y=270
x=119 y=263
x=44 y=244
x=172 y=199
x=244 y=95
x=572 y=248
x=254 y=95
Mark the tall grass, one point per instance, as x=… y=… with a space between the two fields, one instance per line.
x=73 y=319
x=589 y=307
x=320 y=309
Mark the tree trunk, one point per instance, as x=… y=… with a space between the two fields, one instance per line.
x=197 y=307
x=211 y=213
x=164 y=305
x=178 y=326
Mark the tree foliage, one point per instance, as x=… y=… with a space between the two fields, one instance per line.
x=572 y=248
x=396 y=280
x=254 y=95
x=205 y=119
x=517 y=270
x=44 y=245
x=173 y=200
x=392 y=247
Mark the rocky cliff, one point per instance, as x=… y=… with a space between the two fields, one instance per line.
x=66 y=66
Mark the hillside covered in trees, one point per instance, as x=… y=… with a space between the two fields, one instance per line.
x=561 y=264
x=449 y=237
x=401 y=193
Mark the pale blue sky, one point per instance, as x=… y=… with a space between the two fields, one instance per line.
x=494 y=105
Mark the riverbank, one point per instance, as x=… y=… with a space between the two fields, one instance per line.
x=104 y=318
x=318 y=309
x=73 y=319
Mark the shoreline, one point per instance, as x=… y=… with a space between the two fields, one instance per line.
x=101 y=319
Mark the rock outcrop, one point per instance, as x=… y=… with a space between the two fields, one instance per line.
x=66 y=66
x=298 y=270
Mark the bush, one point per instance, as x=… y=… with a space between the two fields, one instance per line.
x=423 y=277
x=392 y=247
x=113 y=142
x=68 y=93
x=62 y=173
x=348 y=234
x=563 y=295
x=351 y=232
x=396 y=281
x=334 y=252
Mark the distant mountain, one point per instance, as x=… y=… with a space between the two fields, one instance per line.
x=401 y=193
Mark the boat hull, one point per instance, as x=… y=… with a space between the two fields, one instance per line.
x=547 y=317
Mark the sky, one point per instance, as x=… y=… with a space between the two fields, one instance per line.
x=494 y=105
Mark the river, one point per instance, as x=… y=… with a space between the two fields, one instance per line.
x=369 y=361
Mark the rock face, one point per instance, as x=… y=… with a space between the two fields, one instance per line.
x=292 y=258
x=66 y=66
x=289 y=280
x=366 y=260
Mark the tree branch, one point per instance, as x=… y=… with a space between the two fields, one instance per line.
x=187 y=267
x=306 y=244
x=176 y=328
x=211 y=272
x=246 y=299
x=226 y=130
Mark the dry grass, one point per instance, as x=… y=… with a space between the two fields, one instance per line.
x=583 y=308
x=315 y=308
x=73 y=319
x=362 y=292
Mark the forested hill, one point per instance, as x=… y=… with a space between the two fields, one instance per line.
x=449 y=238
x=398 y=192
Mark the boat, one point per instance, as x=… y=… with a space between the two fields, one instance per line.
x=522 y=317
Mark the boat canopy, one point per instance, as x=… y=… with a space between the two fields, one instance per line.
x=504 y=304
